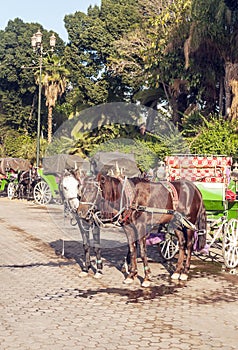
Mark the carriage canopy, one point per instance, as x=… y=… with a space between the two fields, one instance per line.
x=58 y=163
x=111 y=162
x=14 y=164
x=214 y=168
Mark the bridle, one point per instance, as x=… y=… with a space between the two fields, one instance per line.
x=90 y=214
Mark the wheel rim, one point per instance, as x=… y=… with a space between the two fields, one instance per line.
x=42 y=193
x=169 y=248
x=11 y=190
x=230 y=244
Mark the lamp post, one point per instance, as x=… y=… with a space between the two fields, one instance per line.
x=36 y=43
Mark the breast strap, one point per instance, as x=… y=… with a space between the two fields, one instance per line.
x=173 y=192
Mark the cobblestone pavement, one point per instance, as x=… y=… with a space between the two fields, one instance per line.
x=45 y=305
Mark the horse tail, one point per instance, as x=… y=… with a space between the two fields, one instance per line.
x=201 y=223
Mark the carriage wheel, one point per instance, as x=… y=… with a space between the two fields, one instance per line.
x=169 y=247
x=230 y=244
x=11 y=190
x=42 y=193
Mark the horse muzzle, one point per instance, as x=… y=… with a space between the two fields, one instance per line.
x=74 y=203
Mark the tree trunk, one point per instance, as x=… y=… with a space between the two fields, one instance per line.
x=234 y=104
x=50 y=112
x=221 y=95
x=227 y=88
x=231 y=90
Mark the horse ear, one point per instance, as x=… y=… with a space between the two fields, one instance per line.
x=101 y=178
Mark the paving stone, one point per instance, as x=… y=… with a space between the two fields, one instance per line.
x=46 y=305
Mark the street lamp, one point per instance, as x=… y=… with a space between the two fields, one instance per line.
x=36 y=43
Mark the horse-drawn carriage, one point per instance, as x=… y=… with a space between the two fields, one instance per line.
x=10 y=170
x=218 y=184
x=206 y=198
x=19 y=179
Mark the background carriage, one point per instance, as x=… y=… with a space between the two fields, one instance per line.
x=218 y=184
x=10 y=168
x=47 y=189
x=18 y=179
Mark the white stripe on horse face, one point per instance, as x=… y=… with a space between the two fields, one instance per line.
x=70 y=188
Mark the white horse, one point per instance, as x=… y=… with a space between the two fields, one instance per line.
x=71 y=186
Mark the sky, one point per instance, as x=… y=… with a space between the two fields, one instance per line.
x=49 y=13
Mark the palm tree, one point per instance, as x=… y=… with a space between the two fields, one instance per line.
x=54 y=83
x=213 y=36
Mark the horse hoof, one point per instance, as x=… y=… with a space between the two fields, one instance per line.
x=83 y=274
x=128 y=280
x=175 y=276
x=98 y=275
x=145 y=284
x=183 y=277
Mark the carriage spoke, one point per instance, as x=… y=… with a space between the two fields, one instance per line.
x=169 y=247
x=230 y=244
x=42 y=193
x=11 y=190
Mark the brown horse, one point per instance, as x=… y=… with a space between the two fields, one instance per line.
x=136 y=203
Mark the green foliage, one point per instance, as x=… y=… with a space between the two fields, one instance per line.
x=147 y=149
x=216 y=136
x=126 y=50
x=212 y=49
x=125 y=138
x=18 y=89
x=192 y=122
x=145 y=157
x=18 y=145
x=91 y=43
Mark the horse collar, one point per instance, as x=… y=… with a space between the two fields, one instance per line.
x=173 y=192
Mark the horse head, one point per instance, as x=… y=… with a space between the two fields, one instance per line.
x=110 y=187
x=90 y=197
x=70 y=188
x=111 y=193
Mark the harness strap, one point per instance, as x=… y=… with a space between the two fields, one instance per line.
x=153 y=210
x=184 y=221
x=127 y=189
x=173 y=192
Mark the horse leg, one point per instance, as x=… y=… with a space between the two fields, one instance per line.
x=130 y=232
x=184 y=275
x=180 y=263
x=97 y=250
x=87 y=263
x=127 y=263
x=86 y=247
x=22 y=192
x=19 y=191
x=143 y=253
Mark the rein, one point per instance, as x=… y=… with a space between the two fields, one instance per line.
x=92 y=204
